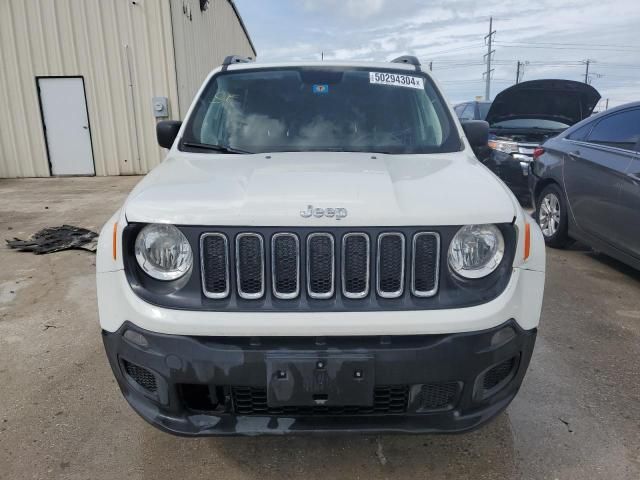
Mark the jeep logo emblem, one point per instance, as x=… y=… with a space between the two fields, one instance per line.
x=311 y=211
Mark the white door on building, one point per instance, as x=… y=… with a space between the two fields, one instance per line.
x=66 y=123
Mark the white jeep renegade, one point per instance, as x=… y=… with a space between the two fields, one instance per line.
x=320 y=251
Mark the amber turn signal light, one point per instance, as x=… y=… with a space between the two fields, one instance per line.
x=115 y=240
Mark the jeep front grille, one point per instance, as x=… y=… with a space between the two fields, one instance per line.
x=288 y=265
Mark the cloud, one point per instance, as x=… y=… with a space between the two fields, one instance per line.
x=351 y=8
x=450 y=33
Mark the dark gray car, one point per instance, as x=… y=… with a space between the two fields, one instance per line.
x=476 y=110
x=585 y=184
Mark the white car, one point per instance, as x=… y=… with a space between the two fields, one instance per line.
x=320 y=251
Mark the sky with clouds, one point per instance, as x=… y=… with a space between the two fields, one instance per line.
x=554 y=37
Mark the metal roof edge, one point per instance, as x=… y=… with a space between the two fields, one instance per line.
x=244 y=27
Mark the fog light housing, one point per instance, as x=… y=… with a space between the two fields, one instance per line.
x=136 y=338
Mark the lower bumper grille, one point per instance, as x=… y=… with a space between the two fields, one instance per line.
x=386 y=400
x=498 y=374
x=435 y=396
x=141 y=376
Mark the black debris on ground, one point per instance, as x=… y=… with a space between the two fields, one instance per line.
x=55 y=239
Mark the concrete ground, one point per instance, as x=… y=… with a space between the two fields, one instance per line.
x=62 y=416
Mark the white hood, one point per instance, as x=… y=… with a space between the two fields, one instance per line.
x=272 y=190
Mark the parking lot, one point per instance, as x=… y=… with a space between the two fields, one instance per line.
x=62 y=415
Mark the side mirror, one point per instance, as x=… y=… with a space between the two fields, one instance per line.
x=166 y=132
x=477 y=132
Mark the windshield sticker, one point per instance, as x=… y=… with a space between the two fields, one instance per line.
x=320 y=89
x=396 y=80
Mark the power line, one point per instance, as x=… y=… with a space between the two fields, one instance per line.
x=622 y=65
x=596 y=49
x=626 y=47
x=474 y=81
x=558 y=63
x=459 y=49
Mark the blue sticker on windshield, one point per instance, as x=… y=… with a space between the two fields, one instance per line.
x=320 y=89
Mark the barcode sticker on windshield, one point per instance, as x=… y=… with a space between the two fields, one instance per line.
x=396 y=79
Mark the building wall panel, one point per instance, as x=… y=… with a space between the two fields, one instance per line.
x=202 y=40
x=124 y=51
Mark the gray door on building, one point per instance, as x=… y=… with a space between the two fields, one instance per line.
x=66 y=125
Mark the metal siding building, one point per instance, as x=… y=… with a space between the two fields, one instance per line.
x=111 y=57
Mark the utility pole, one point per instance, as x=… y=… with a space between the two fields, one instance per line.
x=606 y=107
x=489 y=40
x=431 y=66
x=586 y=73
x=520 y=70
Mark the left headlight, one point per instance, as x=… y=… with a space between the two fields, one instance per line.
x=163 y=252
x=503 y=146
x=476 y=250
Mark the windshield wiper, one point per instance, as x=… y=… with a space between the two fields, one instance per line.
x=215 y=148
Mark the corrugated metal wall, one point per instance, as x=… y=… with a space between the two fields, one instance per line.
x=123 y=50
x=202 y=40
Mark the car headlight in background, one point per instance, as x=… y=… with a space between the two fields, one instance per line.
x=503 y=146
x=476 y=250
x=163 y=252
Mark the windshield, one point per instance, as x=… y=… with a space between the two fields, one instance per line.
x=531 y=123
x=321 y=109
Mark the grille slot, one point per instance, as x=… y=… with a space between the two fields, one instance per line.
x=285 y=265
x=355 y=265
x=141 y=376
x=386 y=400
x=250 y=265
x=425 y=264
x=436 y=396
x=390 y=265
x=320 y=265
x=215 y=265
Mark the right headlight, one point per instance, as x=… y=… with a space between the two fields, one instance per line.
x=476 y=250
x=163 y=252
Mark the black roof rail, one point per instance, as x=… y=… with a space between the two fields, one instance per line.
x=231 y=59
x=410 y=59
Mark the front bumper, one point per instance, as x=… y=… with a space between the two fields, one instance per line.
x=197 y=386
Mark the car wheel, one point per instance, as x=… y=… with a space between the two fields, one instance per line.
x=551 y=213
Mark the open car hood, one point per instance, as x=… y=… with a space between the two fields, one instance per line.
x=563 y=101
